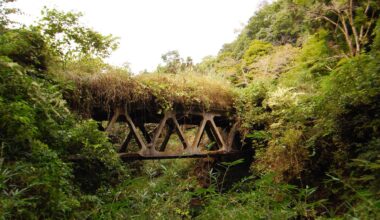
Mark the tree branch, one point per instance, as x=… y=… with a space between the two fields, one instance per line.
x=352 y=24
x=367 y=8
x=346 y=34
x=369 y=25
x=331 y=21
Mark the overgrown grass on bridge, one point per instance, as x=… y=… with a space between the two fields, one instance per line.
x=110 y=88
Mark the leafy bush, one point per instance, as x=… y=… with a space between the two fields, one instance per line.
x=38 y=137
x=256 y=48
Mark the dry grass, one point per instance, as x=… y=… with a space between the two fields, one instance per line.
x=158 y=91
x=105 y=91
x=189 y=89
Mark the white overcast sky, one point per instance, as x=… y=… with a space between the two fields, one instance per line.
x=149 y=28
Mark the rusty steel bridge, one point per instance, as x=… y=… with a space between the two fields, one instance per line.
x=147 y=134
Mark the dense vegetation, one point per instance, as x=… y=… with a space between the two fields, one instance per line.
x=303 y=77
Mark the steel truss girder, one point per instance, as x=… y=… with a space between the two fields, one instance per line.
x=150 y=148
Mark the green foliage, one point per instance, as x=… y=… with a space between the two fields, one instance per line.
x=266 y=200
x=352 y=110
x=354 y=82
x=256 y=48
x=307 y=96
x=4 y=13
x=350 y=22
x=250 y=105
x=25 y=47
x=41 y=178
x=278 y=23
x=316 y=116
x=375 y=48
x=160 y=191
x=39 y=135
x=315 y=59
x=280 y=60
x=69 y=39
x=207 y=65
x=174 y=63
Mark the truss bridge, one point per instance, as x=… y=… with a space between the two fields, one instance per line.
x=172 y=134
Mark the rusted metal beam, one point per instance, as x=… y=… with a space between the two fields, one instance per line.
x=218 y=136
x=159 y=129
x=198 y=136
x=179 y=132
x=136 y=135
x=137 y=156
x=114 y=118
x=150 y=148
x=144 y=132
x=124 y=145
x=166 y=139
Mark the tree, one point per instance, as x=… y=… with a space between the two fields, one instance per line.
x=355 y=20
x=4 y=12
x=69 y=39
x=189 y=63
x=174 y=62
